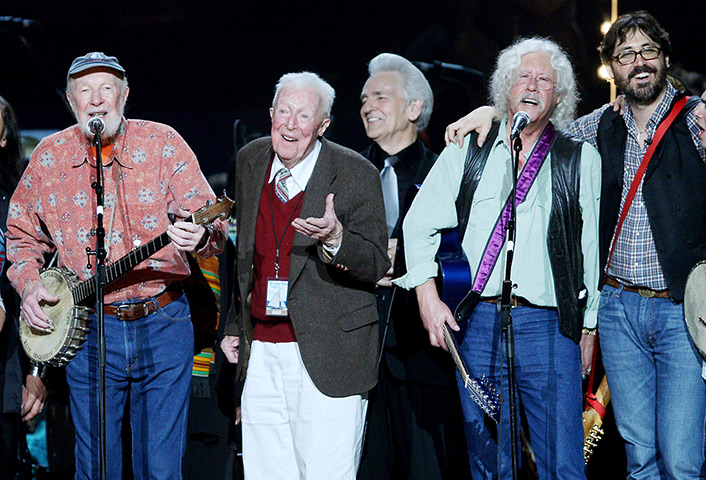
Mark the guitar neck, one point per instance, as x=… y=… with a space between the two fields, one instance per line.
x=453 y=350
x=593 y=421
x=480 y=390
x=590 y=418
x=603 y=393
x=134 y=258
x=208 y=213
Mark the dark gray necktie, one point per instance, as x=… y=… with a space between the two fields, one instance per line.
x=388 y=177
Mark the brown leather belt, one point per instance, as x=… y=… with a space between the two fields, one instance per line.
x=135 y=311
x=644 y=291
x=515 y=301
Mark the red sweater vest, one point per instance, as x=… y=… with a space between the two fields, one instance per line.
x=272 y=212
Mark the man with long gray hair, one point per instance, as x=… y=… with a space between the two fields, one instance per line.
x=555 y=269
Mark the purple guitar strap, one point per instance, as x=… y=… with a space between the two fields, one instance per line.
x=524 y=183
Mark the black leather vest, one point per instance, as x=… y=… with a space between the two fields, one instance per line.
x=673 y=189
x=565 y=221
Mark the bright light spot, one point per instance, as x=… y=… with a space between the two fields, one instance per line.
x=603 y=73
x=605 y=26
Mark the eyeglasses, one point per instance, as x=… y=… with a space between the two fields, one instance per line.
x=647 y=53
x=543 y=82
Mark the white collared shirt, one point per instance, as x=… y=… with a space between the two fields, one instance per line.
x=301 y=172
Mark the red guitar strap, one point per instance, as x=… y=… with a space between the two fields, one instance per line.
x=591 y=400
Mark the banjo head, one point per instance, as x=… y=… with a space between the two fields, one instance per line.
x=69 y=329
x=695 y=306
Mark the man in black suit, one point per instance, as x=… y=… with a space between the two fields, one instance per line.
x=311 y=244
x=415 y=427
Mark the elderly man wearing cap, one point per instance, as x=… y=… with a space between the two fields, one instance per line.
x=149 y=172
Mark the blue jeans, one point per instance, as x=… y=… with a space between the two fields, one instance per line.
x=654 y=376
x=548 y=377
x=149 y=362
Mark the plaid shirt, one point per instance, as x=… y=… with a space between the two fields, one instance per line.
x=635 y=257
x=150 y=169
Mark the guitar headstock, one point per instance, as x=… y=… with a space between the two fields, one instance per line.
x=211 y=211
x=492 y=397
x=591 y=441
x=483 y=392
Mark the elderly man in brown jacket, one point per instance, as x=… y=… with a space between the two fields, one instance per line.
x=312 y=242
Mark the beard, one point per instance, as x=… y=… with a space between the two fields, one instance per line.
x=112 y=126
x=643 y=95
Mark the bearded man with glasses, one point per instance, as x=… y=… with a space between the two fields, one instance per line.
x=653 y=367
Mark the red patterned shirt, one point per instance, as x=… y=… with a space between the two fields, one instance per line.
x=151 y=169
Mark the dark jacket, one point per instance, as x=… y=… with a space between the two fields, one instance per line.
x=673 y=188
x=565 y=221
x=408 y=354
x=11 y=352
x=414 y=163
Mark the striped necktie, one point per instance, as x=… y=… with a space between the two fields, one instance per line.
x=281 y=186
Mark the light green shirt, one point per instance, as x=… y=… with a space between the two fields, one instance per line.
x=434 y=209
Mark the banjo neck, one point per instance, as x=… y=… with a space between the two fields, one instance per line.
x=86 y=290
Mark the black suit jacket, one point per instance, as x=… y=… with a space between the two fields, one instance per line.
x=414 y=163
x=331 y=303
x=408 y=354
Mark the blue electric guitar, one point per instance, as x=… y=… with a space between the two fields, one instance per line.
x=454 y=281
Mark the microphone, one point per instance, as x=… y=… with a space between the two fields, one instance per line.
x=519 y=122
x=96 y=125
x=16 y=24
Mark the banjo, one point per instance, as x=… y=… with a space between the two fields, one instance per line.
x=70 y=314
x=695 y=306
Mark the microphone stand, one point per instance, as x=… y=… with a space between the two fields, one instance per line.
x=101 y=281
x=506 y=315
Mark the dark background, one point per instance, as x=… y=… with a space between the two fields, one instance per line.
x=198 y=65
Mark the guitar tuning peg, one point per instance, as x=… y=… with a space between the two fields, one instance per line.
x=209 y=202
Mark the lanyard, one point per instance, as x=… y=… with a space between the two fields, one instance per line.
x=278 y=242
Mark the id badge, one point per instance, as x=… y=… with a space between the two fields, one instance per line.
x=276 y=304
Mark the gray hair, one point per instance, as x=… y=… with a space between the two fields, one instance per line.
x=308 y=79
x=507 y=68
x=415 y=85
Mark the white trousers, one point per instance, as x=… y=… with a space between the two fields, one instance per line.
x=290 y=429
